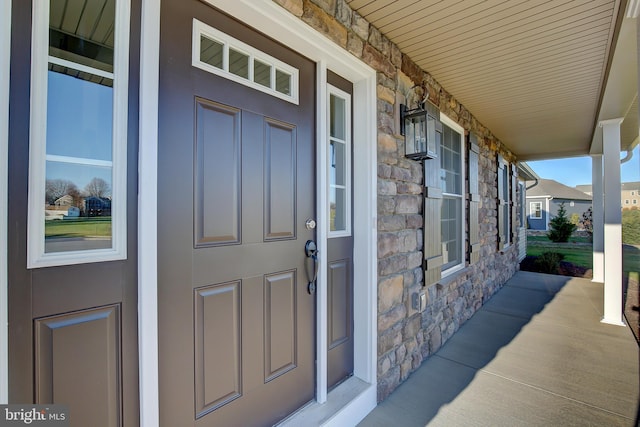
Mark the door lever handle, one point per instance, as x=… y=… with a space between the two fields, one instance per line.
x=311 y=251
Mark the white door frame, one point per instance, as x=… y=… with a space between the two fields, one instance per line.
x=148 y=214
x=352 y=400
x=5 y=60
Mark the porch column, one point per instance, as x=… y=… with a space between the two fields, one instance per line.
x=612 y=223
x=597 y=218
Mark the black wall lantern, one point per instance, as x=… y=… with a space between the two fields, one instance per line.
x=421 y=128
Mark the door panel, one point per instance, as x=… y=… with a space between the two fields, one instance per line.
x=217 y=210
x=280 y=338
x=236 y=180
x=280 y=180
x=339 y=297
x=73 y=353
x=218 y=374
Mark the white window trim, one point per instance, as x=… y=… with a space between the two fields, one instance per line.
x=36 y=256
x=332 y=90
x=508 y=201
x=523 y=206
x=532 y=210
x=463 y=214
x=228 y=42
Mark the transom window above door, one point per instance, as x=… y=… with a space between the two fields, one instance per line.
x=219 y=53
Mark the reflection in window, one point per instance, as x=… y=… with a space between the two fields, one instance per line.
x=451 y=174
x=78 y=132
x=451 y=239
x=339 y=163
x=506 y=197
x=79 y=117
x=79 y=146
x=238 y=63
x=77 y=210
x=211 y=52
x=283 y=82
x=262 y=73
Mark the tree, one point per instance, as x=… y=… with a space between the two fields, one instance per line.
x=561 y=227
x=587 y=223
x=97 y=187
x=56 y=188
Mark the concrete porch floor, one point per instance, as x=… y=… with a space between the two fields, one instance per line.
x=535 y=355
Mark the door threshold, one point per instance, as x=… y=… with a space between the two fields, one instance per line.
x=347 y=404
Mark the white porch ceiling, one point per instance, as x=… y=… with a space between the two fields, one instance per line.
x=531 y=71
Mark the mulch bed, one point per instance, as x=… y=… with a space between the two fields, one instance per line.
x=632 y=307
x=565 y=268
x=569 y=269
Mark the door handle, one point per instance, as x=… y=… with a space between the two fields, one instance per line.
x=311 y=251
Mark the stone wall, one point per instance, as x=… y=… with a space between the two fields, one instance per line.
x=407 y=337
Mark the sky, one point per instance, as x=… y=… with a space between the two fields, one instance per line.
x=577 y=170
x=79 y=127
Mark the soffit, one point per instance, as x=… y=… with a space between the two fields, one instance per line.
x=531 y=71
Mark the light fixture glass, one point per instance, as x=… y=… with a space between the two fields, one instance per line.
x=420 y=128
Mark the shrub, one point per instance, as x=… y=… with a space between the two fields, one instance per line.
x=548 y=262
x=575 y=219
x=561 y=227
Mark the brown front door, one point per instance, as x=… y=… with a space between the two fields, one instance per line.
x=73 y=328
x=236 y=185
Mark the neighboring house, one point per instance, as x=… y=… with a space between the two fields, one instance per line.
x=97 y=206
x=274 y=251
x=544 y=200
x=629 y=196
x=64 y=201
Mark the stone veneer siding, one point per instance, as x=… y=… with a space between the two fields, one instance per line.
x=406 y=337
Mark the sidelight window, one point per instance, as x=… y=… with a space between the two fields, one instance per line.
x=339 y=164
x=225 y=56
x=78 y=135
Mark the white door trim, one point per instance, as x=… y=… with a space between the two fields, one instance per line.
x=148 y=214
x=323 y=226
x=352 y=400
x=5 y=61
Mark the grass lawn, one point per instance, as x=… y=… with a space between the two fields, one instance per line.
x=631 y=261
x=81 y=227
x=582 y=254
x=545 y=239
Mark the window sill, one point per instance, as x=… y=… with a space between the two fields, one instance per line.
x=451 y=274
